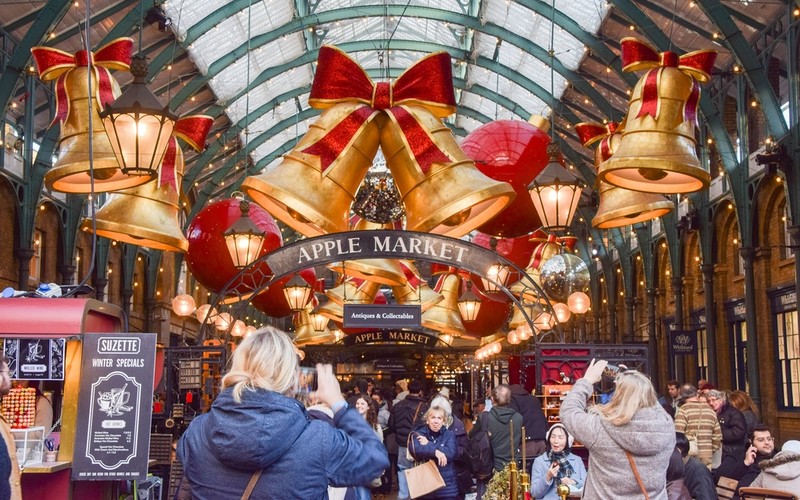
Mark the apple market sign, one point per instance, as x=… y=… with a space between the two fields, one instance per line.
x=356 y=245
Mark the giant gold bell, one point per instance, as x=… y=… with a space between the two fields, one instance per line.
x=445 y=317
x=348 y=292
x=304 y=333
x=658 y=155
x=147 y=215
x=623 y=207
x=384 y=271
x=297 y=192
x=415 y=290
x=70 y=172
x=450 y=199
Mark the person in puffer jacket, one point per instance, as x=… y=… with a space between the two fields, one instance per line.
x=254 y=425
x=782 y=472
x=434 y=441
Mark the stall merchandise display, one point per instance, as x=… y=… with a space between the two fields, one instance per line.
x=30 y=445
x=19 y=407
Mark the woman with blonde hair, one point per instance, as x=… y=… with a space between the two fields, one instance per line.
x=630 y=439
x=257 y=434
x=434 y=441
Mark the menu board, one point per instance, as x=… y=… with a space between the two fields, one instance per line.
x=35 y=359
x=114 y=406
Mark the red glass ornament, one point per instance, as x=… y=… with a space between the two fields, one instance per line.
x=511 y=151
x=208 y=258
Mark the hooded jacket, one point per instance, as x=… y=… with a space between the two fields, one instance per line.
x=649 y=437
x=780 y=473
x=222 y=448
x=500 y=420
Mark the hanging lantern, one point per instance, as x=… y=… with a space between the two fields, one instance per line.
x=223 y=321
x=578 y=302
x=524 y=331
x=244 y=239
x=297 y=292
x=544 y=322
x=562 y=312
x=469 y=304
x=205 y=314
x=318 y=321
x=513 y=337
x=239 y=328
x=138 y=126
x=555 y=193
x=183 y=305
x=249 y=330
x=497 y=274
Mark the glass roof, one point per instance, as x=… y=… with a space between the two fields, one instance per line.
x=494 y=53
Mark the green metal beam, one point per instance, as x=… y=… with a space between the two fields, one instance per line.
x=48 y=17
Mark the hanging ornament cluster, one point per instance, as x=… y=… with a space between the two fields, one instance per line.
x=442 y=191
x=377 y=200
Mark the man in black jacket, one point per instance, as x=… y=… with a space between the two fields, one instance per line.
x=405 y=415
x=762 y=447
x=533 y=420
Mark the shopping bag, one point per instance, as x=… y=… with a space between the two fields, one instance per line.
x=423 y=479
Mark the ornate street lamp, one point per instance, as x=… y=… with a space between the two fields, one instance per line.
x=469 y=304
x=555 y=193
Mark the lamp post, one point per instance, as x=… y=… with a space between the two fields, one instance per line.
x=244 y=239
x=138 y=126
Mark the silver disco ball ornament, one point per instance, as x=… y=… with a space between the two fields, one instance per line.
x=563 y=274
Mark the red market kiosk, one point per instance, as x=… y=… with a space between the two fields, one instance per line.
x=49 y=318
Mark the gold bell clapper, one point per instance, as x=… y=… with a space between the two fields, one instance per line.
x=657 y=150
x=445 y=317
x=71 y=170
x=442 y=190
x=618 y=207
x=149 y=215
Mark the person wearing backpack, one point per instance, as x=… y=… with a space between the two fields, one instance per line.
x=498 y=423
x=404 y=416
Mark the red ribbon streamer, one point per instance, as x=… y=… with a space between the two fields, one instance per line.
x=56 y=64
x=546 y=240
x=427 y=83
x=193 y=129
x=589 y=133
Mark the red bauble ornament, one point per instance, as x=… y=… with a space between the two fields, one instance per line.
x=517 y=250
x=208 y=258
x=272 y=301
x=511 y=151
x=492 y=315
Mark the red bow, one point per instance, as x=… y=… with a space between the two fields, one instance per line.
x=546 y=240
x=589 y=133
x=56 y=64
x=637 y=56
x=428 y=83
x=192 y=129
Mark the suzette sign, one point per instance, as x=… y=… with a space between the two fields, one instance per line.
x=356 y=245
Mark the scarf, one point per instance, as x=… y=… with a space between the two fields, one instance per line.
x=564 y=467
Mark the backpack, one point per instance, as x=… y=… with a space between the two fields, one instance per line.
x=478 y=454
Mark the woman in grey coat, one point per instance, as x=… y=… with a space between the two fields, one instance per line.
x=632 y=422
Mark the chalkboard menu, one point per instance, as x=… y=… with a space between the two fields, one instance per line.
x=35 y=359
x=113 y=436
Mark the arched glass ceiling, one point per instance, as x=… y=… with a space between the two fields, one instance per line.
x=213 y=30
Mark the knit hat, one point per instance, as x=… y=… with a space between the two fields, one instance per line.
x=791 y=445
x=570 y=439
x=445 y=392
x=402 y=384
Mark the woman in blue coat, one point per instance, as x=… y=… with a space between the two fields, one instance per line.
x=255 y=425
x=557 y=465
x=433 y=441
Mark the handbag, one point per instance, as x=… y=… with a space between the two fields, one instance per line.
x=423 y=479
x=694 y=450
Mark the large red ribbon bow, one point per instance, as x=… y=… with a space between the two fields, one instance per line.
x=193 y=130
x=589 y=133
x=56 y=64
x=637 y=56
x=427 y=83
